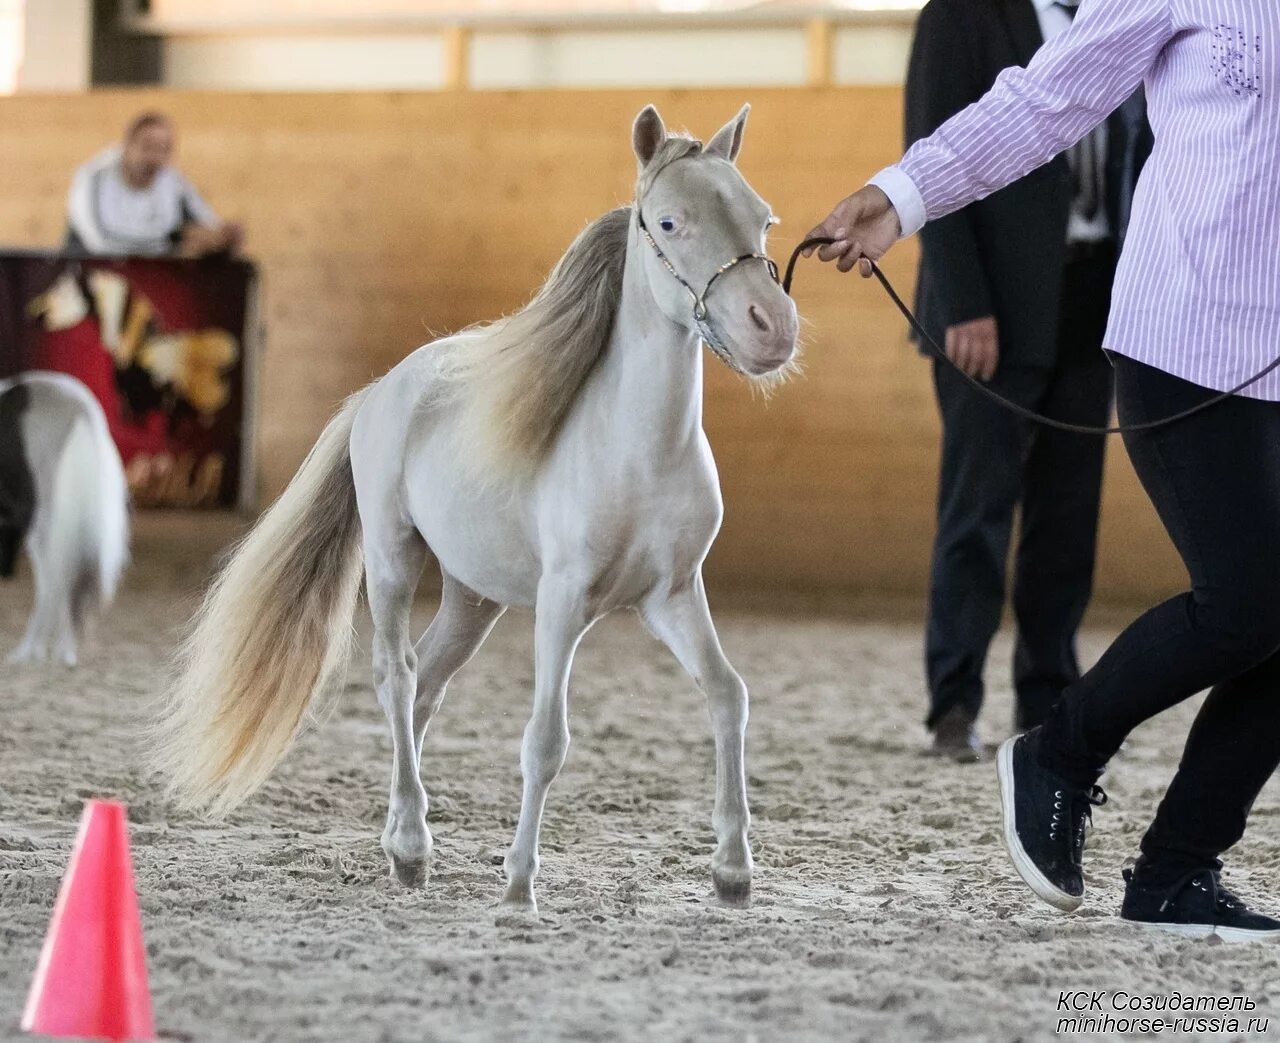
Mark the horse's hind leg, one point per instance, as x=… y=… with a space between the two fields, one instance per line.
x=393 y=565
x=42 y=625
x=461 y=624
x=35 y=641
x=682 y=621
x=70 y=616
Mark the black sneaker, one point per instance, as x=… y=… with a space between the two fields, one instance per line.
x=1045 y=819
x=1196 y=905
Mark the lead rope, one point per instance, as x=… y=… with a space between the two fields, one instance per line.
x=995 y=396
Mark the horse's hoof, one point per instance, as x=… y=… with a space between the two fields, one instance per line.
x=733 y=891
x=411 y=872
x=519 y=899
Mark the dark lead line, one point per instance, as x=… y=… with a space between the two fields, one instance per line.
x=1014 y=407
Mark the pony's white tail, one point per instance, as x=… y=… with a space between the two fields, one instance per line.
x=88 y=535
x=273 y=628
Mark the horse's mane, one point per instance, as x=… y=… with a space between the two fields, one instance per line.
x=519 y=376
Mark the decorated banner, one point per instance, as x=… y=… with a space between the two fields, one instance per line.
x=162 y=343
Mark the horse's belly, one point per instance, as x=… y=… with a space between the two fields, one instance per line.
x=474 y=530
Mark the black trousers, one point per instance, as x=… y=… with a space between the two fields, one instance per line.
x=1215 y=482
x=993 y=463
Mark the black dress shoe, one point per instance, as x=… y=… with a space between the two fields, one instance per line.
x=955 y=737
x=1195 y=905
x=1045 y=821
x=1028 y=716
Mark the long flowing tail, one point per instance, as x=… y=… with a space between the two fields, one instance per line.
x=88 y=516
x=273 y=628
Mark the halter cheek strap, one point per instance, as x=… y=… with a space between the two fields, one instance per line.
x=700 y=299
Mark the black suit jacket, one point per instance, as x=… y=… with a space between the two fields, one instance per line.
x=1002 y=255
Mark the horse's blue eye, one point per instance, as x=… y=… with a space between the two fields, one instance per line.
x=667 y=225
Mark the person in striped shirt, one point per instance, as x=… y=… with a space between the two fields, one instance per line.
x=1196 y=309
x=129 y=200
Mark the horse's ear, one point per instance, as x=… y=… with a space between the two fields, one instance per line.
x=647 y=135
x=727 y=142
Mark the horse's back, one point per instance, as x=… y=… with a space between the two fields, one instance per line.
x=51 y=405
x=54 y=389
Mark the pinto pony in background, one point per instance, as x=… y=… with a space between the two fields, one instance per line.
x=63 y=495
x=552 y=460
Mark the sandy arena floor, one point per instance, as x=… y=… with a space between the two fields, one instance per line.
x=884 y=907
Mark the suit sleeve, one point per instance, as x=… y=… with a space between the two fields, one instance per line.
x=1032 y=114
x=941 y=81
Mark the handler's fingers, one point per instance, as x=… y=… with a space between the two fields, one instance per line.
x=817 y=232
x=972 y=353
x=980 y=358
x=834 y=249
x=952 y=344
x=832 y=227
x=990 y=359
x=865 y=268
x=850 y=258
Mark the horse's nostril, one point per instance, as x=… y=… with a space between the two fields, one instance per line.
x=759 y=318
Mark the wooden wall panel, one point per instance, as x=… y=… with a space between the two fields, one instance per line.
x=380 y=217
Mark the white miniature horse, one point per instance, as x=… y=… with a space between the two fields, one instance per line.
x=552 y=460
x=62 y=493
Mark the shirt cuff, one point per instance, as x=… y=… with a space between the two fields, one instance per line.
x=905 y=197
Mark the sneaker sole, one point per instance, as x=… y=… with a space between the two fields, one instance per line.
x=1198 y=930
x=1044 y=889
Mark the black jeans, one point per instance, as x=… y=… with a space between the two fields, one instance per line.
x=1215 y=481
x=994 y=463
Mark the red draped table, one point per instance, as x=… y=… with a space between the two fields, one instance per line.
x=167 y=346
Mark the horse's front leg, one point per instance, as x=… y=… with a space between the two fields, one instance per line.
x=561 y=619
x=682 y=621
x=454 y=636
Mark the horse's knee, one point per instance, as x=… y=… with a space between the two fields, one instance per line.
x=545 y=749
x=728 y=702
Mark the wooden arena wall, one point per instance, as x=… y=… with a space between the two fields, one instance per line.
x=379 y=219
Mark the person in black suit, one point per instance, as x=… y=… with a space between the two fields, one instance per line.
x=1017 y=287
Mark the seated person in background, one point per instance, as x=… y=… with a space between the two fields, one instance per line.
x=129 y=200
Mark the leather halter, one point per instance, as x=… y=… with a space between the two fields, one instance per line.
x=699 y=300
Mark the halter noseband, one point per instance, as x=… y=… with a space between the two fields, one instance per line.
x=700 y=299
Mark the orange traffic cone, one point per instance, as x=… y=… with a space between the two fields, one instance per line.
x=92 y=976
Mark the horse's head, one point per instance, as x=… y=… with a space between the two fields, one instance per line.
x=707 y=268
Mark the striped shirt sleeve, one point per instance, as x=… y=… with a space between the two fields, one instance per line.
x=1030 y=115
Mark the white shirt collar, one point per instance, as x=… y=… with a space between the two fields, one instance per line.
x=1043 y=5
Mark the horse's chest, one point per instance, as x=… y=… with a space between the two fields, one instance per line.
x=642 y=534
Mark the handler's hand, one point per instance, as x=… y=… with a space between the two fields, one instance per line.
x=864 y=225
x=974 y=346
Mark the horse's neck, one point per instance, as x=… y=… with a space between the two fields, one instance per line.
x=653 y=368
